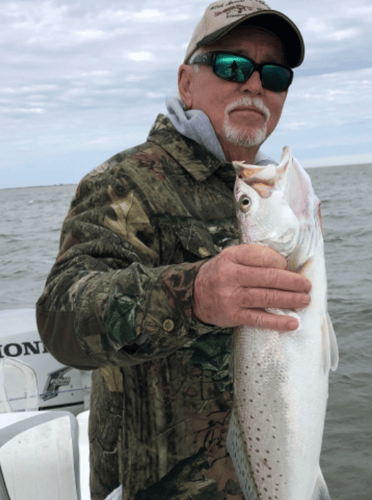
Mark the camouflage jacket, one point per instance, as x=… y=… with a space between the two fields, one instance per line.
x=118 y=301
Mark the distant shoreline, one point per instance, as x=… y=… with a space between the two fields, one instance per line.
x=353 y=165
x=46 y=186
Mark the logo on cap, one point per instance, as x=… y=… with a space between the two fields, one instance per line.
x=240 y=8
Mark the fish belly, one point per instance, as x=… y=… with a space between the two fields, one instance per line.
x=276 y=427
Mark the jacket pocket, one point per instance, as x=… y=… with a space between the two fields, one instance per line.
x=195 y=239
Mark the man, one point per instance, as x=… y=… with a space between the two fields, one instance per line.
x=150 y=279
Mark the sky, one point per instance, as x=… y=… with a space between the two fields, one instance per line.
x=84 y=80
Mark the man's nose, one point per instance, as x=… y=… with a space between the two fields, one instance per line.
x=253 y=84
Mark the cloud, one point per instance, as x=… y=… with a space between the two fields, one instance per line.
x=90 y=34
x=326 y=115
x=149 y=15
x=141 y=56
x=295 y=125
x=155 y=95
x=331 y=99
x=84 y=77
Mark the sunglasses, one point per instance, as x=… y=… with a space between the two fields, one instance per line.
x=237 y=68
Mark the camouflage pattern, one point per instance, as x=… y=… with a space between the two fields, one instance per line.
x=118 y=300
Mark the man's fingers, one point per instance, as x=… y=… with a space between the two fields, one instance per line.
x=257 y=298
x=237 y=287
x=249 y=254
x=261 y=319
x=280 y=279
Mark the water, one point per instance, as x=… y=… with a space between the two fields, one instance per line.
x=29 y=239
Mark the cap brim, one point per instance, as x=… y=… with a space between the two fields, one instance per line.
x=277 y=23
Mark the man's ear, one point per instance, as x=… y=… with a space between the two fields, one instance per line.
x=185 y=84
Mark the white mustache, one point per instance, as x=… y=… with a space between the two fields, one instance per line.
x=248 y=101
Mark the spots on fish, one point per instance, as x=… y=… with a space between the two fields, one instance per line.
x=241 y=459
x=258 y=443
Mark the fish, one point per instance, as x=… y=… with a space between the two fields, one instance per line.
x=280 y=380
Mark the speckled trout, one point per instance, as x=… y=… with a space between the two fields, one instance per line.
x=281 y=379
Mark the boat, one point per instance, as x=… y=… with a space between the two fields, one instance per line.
x=44 y=413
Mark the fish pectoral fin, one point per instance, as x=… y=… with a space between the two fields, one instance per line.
x=320 y=491
x=329 y=345
x=333 y=344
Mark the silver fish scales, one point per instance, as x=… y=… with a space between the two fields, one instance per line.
x=281 y=379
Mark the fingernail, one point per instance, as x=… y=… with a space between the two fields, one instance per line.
x=293 y=324
x=306 y=300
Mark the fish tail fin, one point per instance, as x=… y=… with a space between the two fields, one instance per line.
x=320 y=491
x=236 y=446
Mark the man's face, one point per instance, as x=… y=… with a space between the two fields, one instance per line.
x=233 y=108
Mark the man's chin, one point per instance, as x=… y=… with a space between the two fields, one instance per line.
x=241 y=138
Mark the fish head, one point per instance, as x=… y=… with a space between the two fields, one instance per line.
x=262 y=206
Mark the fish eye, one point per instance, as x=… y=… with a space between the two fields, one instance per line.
x=244 y=203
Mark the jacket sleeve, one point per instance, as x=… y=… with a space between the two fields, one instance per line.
x=107 y=300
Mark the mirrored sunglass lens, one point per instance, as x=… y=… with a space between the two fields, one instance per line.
x=275 y=78
x=233 y=68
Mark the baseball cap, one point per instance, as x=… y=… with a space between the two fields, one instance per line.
x=222 y=16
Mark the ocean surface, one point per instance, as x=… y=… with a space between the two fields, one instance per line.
x=29 y=238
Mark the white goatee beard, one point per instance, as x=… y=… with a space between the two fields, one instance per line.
x=239 y=136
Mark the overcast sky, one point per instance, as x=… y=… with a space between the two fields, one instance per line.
x=83 y=80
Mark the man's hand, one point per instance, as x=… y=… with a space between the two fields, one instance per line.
x=234 y=288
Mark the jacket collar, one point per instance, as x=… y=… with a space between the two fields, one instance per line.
x=196 y=159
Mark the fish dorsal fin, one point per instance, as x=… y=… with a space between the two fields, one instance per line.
x=299 y=193
x=284 y=174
